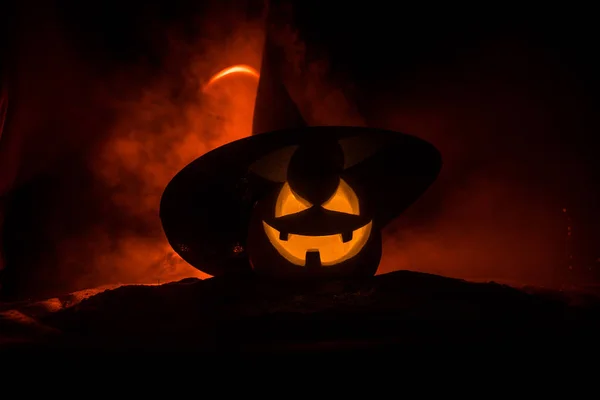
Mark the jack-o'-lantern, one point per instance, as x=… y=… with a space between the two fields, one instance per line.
x=297 y=203
x=314 y=223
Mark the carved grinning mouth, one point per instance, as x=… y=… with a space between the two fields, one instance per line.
x=311 y=251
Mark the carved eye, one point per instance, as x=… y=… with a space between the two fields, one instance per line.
x=343 y=200
x=289 y=202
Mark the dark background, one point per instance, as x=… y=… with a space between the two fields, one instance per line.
x=509 y=95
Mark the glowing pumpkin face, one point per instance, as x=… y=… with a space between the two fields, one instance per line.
x=331 y=249
x=313 y=223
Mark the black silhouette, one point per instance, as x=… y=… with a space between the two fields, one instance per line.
x=207 y=208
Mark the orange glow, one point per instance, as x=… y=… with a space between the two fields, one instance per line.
x=155 y=136
x=332 y=248
x=289 y=202
x=235 y=69
x=343 y=200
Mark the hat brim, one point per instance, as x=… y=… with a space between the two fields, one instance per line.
x=205 y=209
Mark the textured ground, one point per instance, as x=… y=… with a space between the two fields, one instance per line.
x=388 y=312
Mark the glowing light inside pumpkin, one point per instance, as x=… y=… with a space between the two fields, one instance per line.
x=235 y=69
x=289 y=202
x=331 y=247
x=343 y=200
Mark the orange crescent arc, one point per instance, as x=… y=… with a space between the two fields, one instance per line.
x=234 y=69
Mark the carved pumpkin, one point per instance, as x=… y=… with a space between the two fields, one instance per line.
x=314 y=224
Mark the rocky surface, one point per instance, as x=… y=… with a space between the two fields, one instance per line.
x=393 y=310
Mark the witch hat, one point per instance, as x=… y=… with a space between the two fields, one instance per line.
x=213 y=206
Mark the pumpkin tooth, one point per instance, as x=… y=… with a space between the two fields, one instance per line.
x=346 y=237
x=284 y=236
